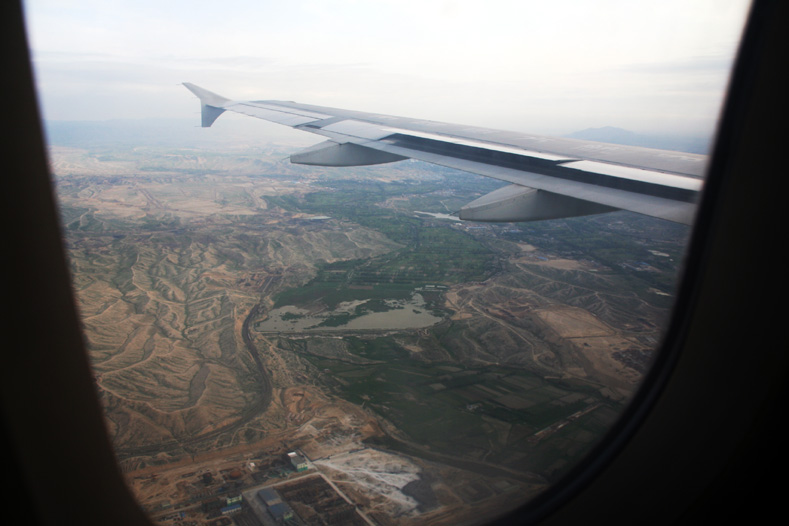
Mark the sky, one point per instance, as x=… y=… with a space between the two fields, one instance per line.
x=657 y=67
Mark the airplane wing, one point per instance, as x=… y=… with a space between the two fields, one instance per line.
x=549 y=177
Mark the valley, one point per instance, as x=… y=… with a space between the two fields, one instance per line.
x=237 y=307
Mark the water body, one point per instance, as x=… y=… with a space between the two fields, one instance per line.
x=402 y=314
x=439 y=216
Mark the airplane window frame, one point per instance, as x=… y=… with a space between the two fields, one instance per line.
x=59 y=455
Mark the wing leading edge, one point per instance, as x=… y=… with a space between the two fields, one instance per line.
x=549 y=177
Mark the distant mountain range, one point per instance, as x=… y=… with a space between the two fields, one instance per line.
x=663 y=142
x=118 y=131
x=167 y=133
x=181 y=132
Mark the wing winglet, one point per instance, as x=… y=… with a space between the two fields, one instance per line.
x=211 y=104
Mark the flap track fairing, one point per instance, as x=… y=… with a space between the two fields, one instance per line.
x=330 y=153
x=520 y=203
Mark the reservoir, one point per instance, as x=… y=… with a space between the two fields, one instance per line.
x=439 y=216
x=351 y=315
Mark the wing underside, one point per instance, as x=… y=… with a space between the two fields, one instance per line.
x=549 y=177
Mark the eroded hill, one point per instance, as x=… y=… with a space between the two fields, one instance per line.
x=235 y=305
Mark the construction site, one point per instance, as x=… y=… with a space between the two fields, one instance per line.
x=361 y=487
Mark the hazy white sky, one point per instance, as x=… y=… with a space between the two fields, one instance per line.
x=536 y=66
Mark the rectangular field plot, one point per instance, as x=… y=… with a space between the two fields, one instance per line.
x=497 y=413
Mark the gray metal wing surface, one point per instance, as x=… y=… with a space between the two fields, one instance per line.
x=549 y=177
